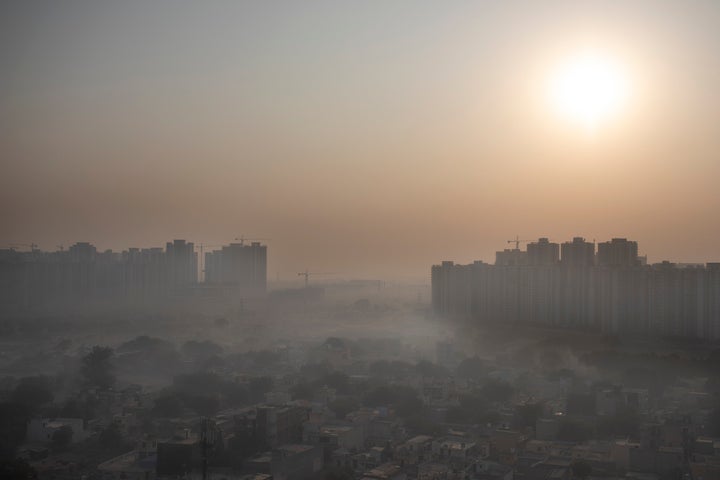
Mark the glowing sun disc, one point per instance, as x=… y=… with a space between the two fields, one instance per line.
x=589 y=89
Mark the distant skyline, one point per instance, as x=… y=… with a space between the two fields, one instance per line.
x=372 y=139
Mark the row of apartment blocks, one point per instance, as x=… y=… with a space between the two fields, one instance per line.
x=612 y=290
x=618 y=252
x=82 y=273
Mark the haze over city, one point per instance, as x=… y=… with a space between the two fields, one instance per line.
x=370 y=139
x=333 y=240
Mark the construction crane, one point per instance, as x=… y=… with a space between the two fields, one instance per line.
x=201 y=247
x=517 y=242
x=307 y=274
x=242 y=239
x=33 y=246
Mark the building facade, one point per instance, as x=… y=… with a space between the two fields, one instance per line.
x=239 y=266
x=618 y=295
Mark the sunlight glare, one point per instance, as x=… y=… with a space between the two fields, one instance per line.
x=589 y=89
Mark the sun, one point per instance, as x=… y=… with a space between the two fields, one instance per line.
x=589 y=89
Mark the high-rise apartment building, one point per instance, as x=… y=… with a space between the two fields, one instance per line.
x=618 y=252
x=543 y=252
x=82 y=275
x=577 y=253
x=182 y=266
x=238 y=265
x=511 y=257
x=620 y=295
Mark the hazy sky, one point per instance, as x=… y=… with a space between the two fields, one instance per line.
x=368 y=138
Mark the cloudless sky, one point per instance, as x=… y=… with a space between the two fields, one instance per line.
x=368 y=138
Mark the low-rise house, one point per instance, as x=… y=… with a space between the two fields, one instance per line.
x=486 y=470
x=41 y=430
x=138 y=464
x=387 y=471
x=415 y=450
x=295 y=462
x=454 y=449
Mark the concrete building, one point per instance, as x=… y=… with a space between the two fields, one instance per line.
x=618 y=252
x=278 y=425
x=618 y=296
x=543 y=252
x=81 y=275
x=182 y=266
x=239 y=266
x=138 y=464
x=578 y=253
x=511 y=257
x=41 y=430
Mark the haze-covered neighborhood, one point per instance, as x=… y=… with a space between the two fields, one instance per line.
x=370 y=240
x=354 y=381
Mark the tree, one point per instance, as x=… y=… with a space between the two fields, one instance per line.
x=33 y=392
x=404 y=399
x=168 y=405
x=203 y=404
x=337 y=380
x=235 y=394
x=472 y=367
x=258 y=387
x=497 y=391
x=17 y=469
x=421 y=423
x=201 y=350
x=302 y=391
x=264 y=358
x=62 y=437
x=97 y=367
x=385 y=369
x=145 y=343
x=198 y=382
x=13 y=423
x=344 y=405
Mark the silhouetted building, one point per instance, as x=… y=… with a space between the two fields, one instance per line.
x=83 y=276
x=543 y=252
x=618 y=252
x=238 y=265
x=578 y=253
x=278 y=425
x=511 y=257
x=181 y=263
x=616 y=297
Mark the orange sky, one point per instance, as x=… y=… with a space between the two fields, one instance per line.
x=367 y=139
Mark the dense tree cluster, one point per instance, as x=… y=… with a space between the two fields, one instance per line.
x=98 y=369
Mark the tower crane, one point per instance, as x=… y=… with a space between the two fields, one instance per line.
x=33 y=246
x=307 y=274
x=242 y=239
x=517 y=242
x=201 y=247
